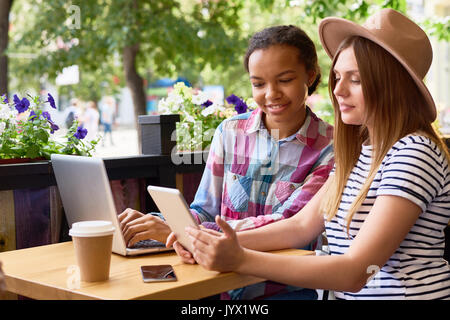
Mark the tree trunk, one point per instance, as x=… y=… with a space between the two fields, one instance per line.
x=135 y=83
x=5 y=7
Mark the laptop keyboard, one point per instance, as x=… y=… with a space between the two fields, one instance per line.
x=143 y=244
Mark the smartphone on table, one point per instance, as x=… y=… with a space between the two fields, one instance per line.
x=158 y=273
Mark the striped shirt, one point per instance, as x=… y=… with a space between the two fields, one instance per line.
x=415 y=169
x=252 y=179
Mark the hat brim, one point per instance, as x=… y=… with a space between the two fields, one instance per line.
x=333 y=31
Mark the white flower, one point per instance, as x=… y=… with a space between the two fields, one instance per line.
x=4 y=111
x=218 y=107
x=251 y=103
x=215 y=107
x=8 y=113
x=189 y=118
x=163 y=106
x=207 y=111
x=2 y=127
x=199 y=98
x=182 y=89
x=174 y=102
x=176 y=99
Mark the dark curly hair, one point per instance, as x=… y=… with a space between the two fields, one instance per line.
x=291 y=36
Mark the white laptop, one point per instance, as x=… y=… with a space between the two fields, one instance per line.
x=86 y=195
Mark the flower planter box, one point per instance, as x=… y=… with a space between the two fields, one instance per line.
x=21 y=160
x=158 y=133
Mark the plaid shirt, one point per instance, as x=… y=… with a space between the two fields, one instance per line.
x=252 y=179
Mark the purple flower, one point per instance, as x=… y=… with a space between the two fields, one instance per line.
x=32 y=116
x=241 y=107
x=207 y=104
x=51 y=101
x=81 y=133
x=5 y=98
x=21 y=105
x=232 y=99
x=46 y=115
x=239 y=104
x=54 y=127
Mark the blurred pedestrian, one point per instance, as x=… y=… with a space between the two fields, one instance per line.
x=108 y=111
x=91 y=118
x=72 y=112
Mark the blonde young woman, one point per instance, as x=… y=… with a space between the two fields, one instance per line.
x=385 y=206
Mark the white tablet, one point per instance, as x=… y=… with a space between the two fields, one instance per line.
x=175 y=210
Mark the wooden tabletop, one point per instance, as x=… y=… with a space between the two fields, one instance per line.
x=45 y=273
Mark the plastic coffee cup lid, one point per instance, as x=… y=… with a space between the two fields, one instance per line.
x=95 y=228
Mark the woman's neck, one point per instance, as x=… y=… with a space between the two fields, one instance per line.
x=285 y=128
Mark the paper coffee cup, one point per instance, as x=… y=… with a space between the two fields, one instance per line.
x=93 y=245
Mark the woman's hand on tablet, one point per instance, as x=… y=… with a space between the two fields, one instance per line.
x=137 y=226
x=219 y=251
x=182 y=252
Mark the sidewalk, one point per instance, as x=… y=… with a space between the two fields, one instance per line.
x=125 y=143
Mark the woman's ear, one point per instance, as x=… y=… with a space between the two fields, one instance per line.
x=311 y=77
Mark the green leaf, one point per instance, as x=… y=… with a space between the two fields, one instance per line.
x=42 y=135
x=32 y=151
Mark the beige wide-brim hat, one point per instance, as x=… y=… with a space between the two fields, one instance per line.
x=394 y=32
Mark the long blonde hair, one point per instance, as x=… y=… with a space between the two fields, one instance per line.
x=393 y=105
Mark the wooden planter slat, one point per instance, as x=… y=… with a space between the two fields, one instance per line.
x=7 y=221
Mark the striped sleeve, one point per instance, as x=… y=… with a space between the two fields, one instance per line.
x=414 y=170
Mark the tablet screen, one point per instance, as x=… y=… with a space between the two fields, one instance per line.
x=173 y=207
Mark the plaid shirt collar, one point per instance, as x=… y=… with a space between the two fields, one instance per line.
x=255 y=124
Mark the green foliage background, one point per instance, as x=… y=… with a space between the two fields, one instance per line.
x=203 y=41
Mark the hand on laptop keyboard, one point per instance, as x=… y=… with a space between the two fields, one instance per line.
x=137 y=226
